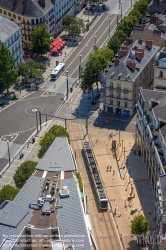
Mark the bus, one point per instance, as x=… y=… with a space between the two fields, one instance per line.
x=57 y=71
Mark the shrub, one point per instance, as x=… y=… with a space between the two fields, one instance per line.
x=49 y=137
x=80 y=181
x=13 y=97
x=2 y=103
x=8 y=193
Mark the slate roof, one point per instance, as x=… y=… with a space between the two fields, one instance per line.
x=163 y=186
x=33 y=9
x=70 y=218
x=124 y=69
x=7 y=29
x=58 y=157
x=17 y=212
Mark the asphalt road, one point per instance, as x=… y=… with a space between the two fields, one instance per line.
x=100 y=29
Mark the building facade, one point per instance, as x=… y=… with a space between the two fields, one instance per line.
x=160 y=71
x=151 y=140
x=29 y=15
x=131 y=68
x=10 y=35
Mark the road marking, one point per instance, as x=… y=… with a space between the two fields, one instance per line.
x=92 y=47
x=88 y=41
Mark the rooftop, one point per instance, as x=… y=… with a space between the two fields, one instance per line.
x=7 y=29
x=33 y=8
x=122 y=71
x=59 y=157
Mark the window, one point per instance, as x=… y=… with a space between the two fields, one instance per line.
x=32 y=21
x=14 y=16
x=125 y=95
x=0 y=11
x=19 y=18
x=125 y=104
x=111 y=85
x=118 y=86
x=111 y=102
x=161 y=74
x=41 y=20
x=9 y=14
x=118 y=103
x=118 y=95
x=111 y=94
x=37 y=21
x=5 y=12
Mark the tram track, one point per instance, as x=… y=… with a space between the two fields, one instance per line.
x=101 y=223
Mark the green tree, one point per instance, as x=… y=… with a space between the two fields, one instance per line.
x=139 y=225
x=75 y=29
x=30 y=69
x=8 y=76
x=114 y=43
x=23 y=173
x=141 y=5
x=126 y=24
x=49 y=137
x=81 y=23
x=107 y=53
x=8 y=193
x=136 y=13
x=67 y=20
x=41 y=40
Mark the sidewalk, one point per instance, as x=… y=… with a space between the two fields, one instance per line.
x=128 y=196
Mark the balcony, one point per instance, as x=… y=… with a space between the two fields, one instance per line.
x=117 y=97
x=126 y=90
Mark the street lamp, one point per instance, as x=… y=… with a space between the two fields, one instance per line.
x=8 y=151
x=121 y=8
x=131 y=3
x=109 y=26
x=79 y=69
x=95 y=40
x=67 y=82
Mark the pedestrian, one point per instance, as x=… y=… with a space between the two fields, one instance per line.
x=65 y=54
x=54 y=86
x=113 y=172
x=110 y=168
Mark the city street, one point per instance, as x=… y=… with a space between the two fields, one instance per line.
x=18 y=120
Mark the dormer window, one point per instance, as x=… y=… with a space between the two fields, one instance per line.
x=112 y=75
x=161 y=74
x=119 y=76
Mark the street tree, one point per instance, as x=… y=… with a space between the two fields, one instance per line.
x=41 y=40
x=136 y=13
x=30 y=69
x=8 y=193
x=8 y=76
x=23 y=173
x=139 y=225
x=126 y=24
x=75 y=29
x=67 y=20
x=107 y=53
x=114 y=43
x=81 y=24
x=141 y=5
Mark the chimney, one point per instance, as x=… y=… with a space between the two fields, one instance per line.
x=153 y=19
x=116 y=61
x=24 y=5
x=42 y=2
x=131 y=64
x=122 y=51
x=141 y=50
x=149 y=43
x=14 y=3
x=129 y=41
x=139 y=55
x=140 y=40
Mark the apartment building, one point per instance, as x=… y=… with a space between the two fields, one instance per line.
x=10 y=35
x=153 y=27
x=157 y=6
x=131 y=68
x=151 y=140
x=29 y=14
x=160 y=71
